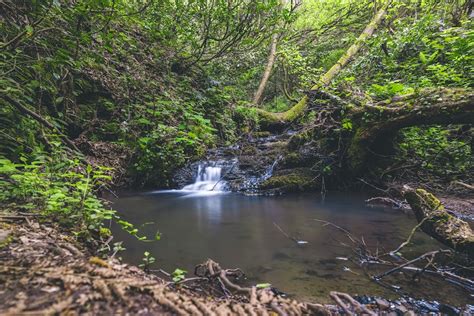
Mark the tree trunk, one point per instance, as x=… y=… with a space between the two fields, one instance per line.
x=270 y=119
x=268 y=70
x=439 y=224
x=376 y=125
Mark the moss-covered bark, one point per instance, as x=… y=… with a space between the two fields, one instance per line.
x=376 y=125
x=438 y=223
x=269 y=120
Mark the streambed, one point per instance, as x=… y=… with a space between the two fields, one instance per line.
x=239 y=231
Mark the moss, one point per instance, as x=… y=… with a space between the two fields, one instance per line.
x=292 y=159
x=299 y=139
x=5 y=239
x=266 y=118
x=99 y=262
x=356 y=152
x=249 y=150
x=261 y=134
x=431 y=201
x=296 y=110
x=293 y=182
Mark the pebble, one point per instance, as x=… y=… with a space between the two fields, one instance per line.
x=382 y=304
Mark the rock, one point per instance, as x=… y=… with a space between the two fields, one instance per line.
x=293 y=180
x=449 y=310
x=382 y=303
x=401 y=310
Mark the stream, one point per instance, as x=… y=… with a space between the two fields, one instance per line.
x=202 y=221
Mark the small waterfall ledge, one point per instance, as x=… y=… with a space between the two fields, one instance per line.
x=268 y=165
x=208 y=179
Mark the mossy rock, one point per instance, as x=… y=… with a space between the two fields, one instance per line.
x=299 y=139
x=292 y=182
x=249 y=150
x=261 y=134
x=292 y=159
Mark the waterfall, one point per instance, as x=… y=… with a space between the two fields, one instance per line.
x=208 y=179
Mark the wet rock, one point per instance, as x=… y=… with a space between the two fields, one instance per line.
x=382 y=303
x=449 y=310
x=257 y=166
x=294 y=180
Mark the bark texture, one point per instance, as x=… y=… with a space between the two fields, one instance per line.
x=268 y=70
x=376 y=125
x=439 y=224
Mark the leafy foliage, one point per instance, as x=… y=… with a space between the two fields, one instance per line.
x=61 y=190
x=439 y=151
x=147 y=261
x=166 y=80
x=179 y=275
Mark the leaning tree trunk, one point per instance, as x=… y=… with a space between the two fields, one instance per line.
x=439 y=224
x=274 y=119
x=268 y=70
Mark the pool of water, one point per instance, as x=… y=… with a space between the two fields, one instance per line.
x=240 y=231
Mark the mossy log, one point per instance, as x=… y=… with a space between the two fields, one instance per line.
x=439 y=224
x=375 y=125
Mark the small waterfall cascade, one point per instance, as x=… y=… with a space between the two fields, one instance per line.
x=269 y=172
x=209 y=178
x=251 y=184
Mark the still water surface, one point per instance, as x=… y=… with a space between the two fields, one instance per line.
x=239 y=231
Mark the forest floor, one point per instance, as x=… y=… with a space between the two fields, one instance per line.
x=44 y=270
x=462 y=207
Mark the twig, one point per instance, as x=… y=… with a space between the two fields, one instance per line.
x=467 y=186
x=398 y=268
x=407 y=241
x=284 y=233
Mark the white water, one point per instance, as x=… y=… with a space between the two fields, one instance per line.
x=209 y=179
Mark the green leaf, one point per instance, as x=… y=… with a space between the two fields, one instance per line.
x=29 y=30
x=423 y=58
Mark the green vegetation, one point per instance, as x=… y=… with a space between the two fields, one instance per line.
x=116 y=92
x=61 y=190
x=300 y=95
x=442 y=152
x=179 y=275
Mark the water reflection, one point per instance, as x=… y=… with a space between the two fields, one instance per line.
x=239 y=231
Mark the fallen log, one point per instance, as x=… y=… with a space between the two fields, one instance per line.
x=439 y=224
x=375 y=125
